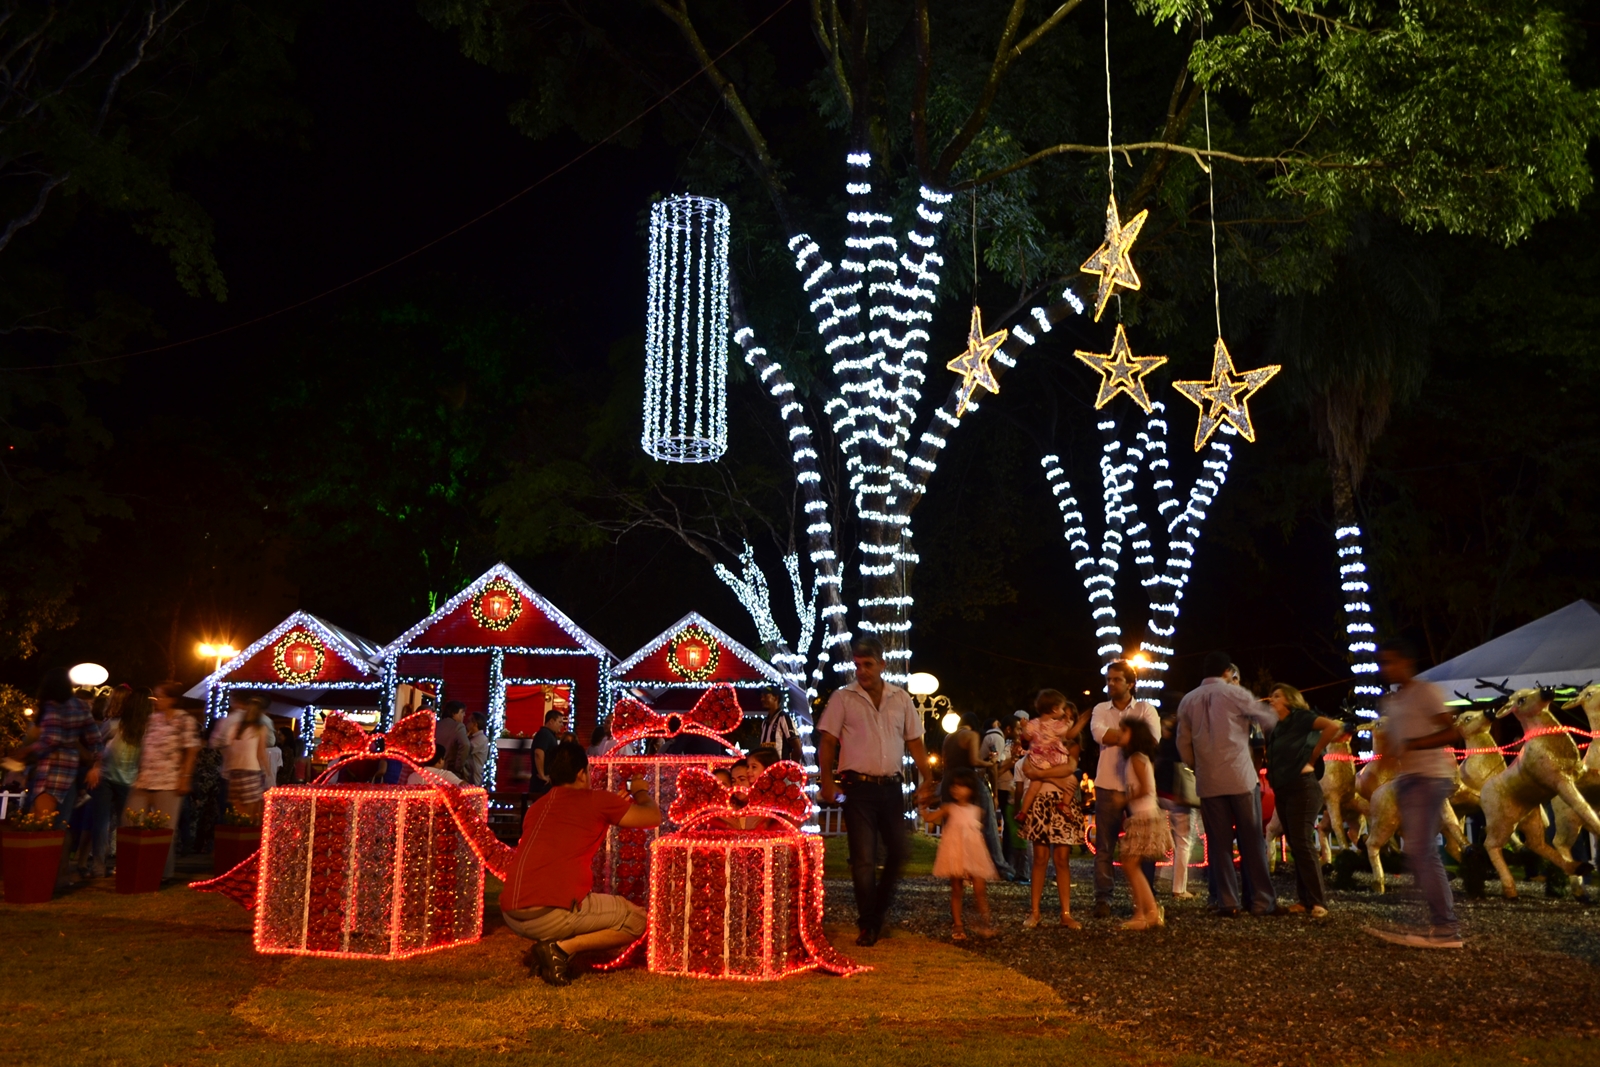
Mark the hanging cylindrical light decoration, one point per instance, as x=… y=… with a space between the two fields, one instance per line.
x=686 y=331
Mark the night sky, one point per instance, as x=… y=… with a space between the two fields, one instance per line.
x=405 y=140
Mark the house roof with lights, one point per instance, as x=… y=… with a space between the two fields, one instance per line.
x=302 y=652
x=694 y=652
x=498 y=610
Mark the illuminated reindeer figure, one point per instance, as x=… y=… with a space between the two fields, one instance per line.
x=1567 y=821
x=1377 y=784
x=1547 y=767
x=1340 y=796
x=1480 y=765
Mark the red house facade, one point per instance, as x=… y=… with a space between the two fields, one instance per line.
x=502 y=649
x=304 y=662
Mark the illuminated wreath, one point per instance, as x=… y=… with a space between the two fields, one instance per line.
x=693 y=654
x=298 y=656
x=497 y=605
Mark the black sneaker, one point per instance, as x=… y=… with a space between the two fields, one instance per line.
x=1102 y=910
x=553 y=963
x=867 y=938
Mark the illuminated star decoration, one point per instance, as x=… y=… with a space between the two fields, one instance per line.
x=1224 y=397
x=973 y=364
x=1110 y=260
x=1121 y=371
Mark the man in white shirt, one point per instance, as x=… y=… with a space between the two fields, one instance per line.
x=866 y=731
x=1417 y=729
x=1110 y=779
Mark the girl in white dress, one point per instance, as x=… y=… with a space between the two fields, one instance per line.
x=963 y=854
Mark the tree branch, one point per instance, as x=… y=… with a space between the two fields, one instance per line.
x=1199 y=155
x=919 y=99
x=1004 y=56
x=31 y=216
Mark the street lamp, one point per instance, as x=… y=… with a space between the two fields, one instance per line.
x=88 y=675
x=922 y=684
x=220 y=653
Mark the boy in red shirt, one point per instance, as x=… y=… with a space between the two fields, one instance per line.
x=546 y=896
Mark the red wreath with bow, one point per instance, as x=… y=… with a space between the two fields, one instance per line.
x=410 y=741
x=716 y=713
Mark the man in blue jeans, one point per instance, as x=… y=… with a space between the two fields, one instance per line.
x=866 y=731
x=1417 y=727
x=1214 y=738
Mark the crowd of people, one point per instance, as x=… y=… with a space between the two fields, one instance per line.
x=1223 y=754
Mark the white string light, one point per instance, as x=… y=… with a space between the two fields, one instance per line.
x=1359 y=632
x=686 y=331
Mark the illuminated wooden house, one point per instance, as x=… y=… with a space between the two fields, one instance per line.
x=307 y=666
x=502 y=649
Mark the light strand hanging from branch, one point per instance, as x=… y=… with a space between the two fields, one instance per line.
x=686 y=331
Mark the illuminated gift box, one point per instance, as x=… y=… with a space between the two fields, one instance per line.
x=741 y=904
x=622 y=865
x=367 y=870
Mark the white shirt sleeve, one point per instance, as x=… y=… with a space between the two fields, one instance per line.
x=1105 y=717
x=913 y=730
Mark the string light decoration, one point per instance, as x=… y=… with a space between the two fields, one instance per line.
x=744 y=905
x=1121 y=371
x=364 y=871
x=351 y=666
x=1225 y=396
x=298 y=656
x=1360 y=634
x=973 y=364
x=1113 y=261
x=873 y=308
x=686 y=331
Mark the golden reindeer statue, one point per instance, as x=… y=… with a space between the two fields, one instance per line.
x=1568 y=823
x=1547 y=767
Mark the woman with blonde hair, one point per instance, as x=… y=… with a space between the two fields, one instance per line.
x=1294 y=755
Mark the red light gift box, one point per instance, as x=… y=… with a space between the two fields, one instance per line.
x=740 y=903
x=365 y=870
x=622 y=866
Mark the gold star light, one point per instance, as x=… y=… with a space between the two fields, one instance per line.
x=1110 y=260
x=1121 y=371
x=1223 y=399
x=973 y=364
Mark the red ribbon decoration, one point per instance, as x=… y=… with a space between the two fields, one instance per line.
x=716 y=713
x=412 y=738
x=779 y=792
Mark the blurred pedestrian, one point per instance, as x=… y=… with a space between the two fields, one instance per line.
x=1214 y=739
x=777 y=729
x=450 y=733
x=963 y=854
x=1146 y=836
x=1294 y=757
x=1110 y=787
x=68 y=736
x=1175 y=794
x=1417 y=727
x=122 y=764
x=961 y=750
x=242 y=740
x=167 y=756
x=477 y=749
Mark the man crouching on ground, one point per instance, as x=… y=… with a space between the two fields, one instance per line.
x=546 y=896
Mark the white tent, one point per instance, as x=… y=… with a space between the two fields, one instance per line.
x=1560 y=649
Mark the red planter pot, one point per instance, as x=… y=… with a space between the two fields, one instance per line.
x=31 y=861
x=141 y=858
x=232 y=845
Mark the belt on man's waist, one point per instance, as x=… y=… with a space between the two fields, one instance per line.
x=870 y=779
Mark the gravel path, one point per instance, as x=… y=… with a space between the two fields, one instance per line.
x=1289 y=990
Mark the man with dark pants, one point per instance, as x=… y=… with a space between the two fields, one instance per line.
x=1110 y=785
x=1417 y=727
x=866 y=731
x=1214 y=739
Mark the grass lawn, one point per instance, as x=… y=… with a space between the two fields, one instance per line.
x=171 y=978
x=837 y=864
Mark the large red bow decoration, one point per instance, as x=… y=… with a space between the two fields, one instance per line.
x=780 y=791
x=411 y=737
x=714 y=714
